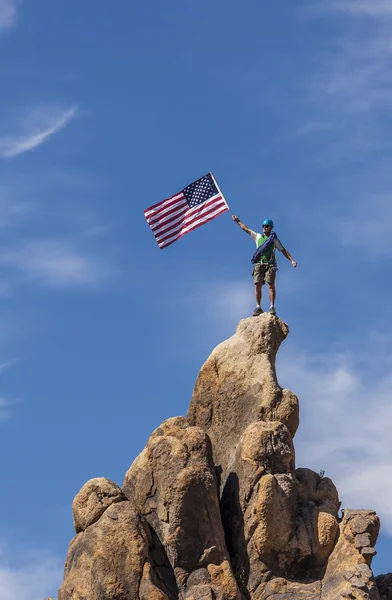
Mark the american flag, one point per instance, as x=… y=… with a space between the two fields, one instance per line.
x=198 y=203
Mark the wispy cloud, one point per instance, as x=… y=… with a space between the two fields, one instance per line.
x=215 y=307
x=345 y=423
x=228 y=301
x=11 y=208
x=372 y=8
x=7 y=365
x=5 y=403
x=56 y=264
x=7 y=13
x=373 y=213
x=32 y=578
x=36 y=128
x=313 y=126
x=4 y=408
x=350 y=89
x=357 y=77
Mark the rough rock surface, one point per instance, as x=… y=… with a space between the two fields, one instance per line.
x=112 y=559
x=237 y=386
x=278 y=520
x=93 y=499
x=214 y=507
x=384 y=585
x=172 y=484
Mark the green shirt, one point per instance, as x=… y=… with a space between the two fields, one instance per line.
x=268 y=257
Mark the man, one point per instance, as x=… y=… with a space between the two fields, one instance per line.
x=265 y=268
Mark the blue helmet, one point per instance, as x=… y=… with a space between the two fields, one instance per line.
x=268 y=222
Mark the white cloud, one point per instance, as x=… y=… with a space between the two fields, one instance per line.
x=232 y=300
x=7 y=13
x=216 y=307
x=55 y=264
x=36 y=128
x=36 y=578
x=228 y=301
x=346 y=415
x=371 y=8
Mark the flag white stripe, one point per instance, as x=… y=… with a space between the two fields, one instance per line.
x=157 y=217
x=180 y=212
x=191 y=213
x=199 y=223
x=182 y=231
x=169 y=224
x=186 y=215
x=162 y=204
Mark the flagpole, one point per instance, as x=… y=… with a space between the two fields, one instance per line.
x=220 y=191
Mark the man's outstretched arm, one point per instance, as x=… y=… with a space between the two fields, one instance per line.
x=287 y=254
x=242 y=225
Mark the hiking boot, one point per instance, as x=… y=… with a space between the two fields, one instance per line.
x=257 y=311
x=272 y=311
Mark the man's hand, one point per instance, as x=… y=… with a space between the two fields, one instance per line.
x=287 y=254
x=239 y=223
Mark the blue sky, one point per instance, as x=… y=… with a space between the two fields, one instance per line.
x=105 y=110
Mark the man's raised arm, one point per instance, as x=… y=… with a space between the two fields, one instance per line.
x=242 y=225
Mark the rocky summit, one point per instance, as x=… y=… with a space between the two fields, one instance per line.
x=214 y=507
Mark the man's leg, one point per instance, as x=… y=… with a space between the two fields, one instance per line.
x=258 y=290
x=258 y=280
x=272 y=293
x=270 y=278
x=258 y=293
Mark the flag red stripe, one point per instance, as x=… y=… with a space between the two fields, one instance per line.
x=163 y=216
x=170 y=207
x=191 y=222
x=162 y=204
x=171 y=222
x=224 y=209
x=196 y=212
x=182 y=216
x=187 y=226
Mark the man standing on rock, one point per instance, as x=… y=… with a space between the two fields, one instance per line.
x=265 y=266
